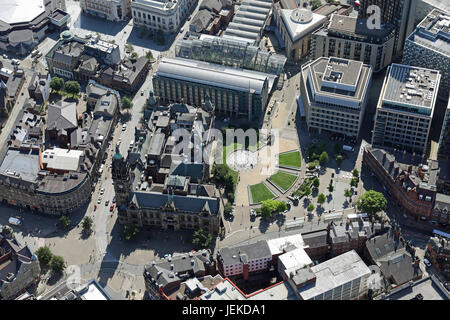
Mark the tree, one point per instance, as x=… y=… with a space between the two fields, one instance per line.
x=202 y=238
x=44 y=255
x=57 y=264
x=316 y=182
x=72 y=87
x=228 y=208
x=127 y=104
x=134 y=55
x=347 y=193
x=64 y=222
x=307 y=191
x=315 y=4
x=354 y=182
x=149 y=56
x=339 y=160
x=337 y=147
x=323 y=158
x=330 y=187
x=56 y=84
x=87 y=224
x=271 y=206
x=129 y=47
x=160 y=39
x=355 y=173
x=321 y=199
x=372 y=202
x=130 y=231
x=310 y=208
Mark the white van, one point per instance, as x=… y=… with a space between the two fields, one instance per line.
x=14 y=221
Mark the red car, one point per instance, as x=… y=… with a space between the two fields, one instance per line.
x=111 y=208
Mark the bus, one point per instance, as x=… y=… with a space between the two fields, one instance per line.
x=437 y=232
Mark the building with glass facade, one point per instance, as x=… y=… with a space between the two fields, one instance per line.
x=444 y=141
x=429 y=47
x=230 y=52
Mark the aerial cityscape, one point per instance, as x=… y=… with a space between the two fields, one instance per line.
x=224 y=150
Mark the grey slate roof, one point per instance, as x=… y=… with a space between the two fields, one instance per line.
x=232 y=255
x=193 y=170
x=192 y=204
x=62 y=115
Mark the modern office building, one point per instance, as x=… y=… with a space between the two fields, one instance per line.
x=405 y=108
x=341 y=278
x=165 y=15
x=349 y=38
x=235 y=93
x=296 y=27
x=400 y=13
x=334 y=95
x=444 y=140
x=25 y=23
x=230 y=52
x=429 y=47
x=249 y=21
x=114 y=10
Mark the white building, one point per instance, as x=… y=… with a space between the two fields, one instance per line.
x=292 y=261
x=62 y=159
x=115 y=10
x=341 y=278
x=165 y=15
x=334 y=95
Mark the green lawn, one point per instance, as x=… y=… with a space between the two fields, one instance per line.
x=290 y=159
x=260 y=193
x=283 y=180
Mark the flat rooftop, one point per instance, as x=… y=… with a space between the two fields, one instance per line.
x=24 y=163
x=339 y=78
x=354 y=26
x=18 y=11
x=428 y=289
x=334 y=273
x=434 y=32
x=412 y=86
x=301 y=22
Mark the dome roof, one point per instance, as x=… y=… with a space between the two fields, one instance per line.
x=301 y=15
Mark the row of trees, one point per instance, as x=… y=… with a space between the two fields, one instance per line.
x=223 y=177
x=70 y=87
x=270 y=207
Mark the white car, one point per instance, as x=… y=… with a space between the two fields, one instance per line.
x=124 y=127
x=427 y=262
x=102 y=190
x=99 y=200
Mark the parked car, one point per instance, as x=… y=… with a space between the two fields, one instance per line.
x=114 y=200
x=102 y=190
x=427 y=262
x=99 y=200
x=106 y=203
x=111 y=208
x=124 y=127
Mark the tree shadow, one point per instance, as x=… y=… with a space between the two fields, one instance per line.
x=263 y=225
x=54 y=278
x=320 y=210
x=139 y=37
